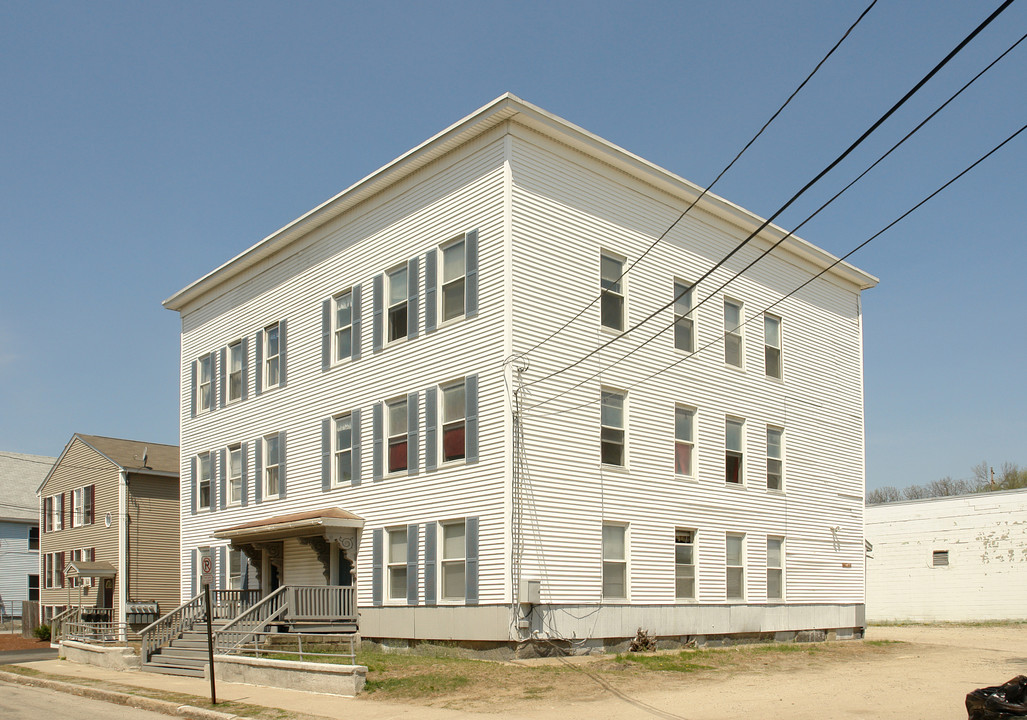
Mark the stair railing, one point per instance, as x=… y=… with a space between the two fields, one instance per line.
x=240 y=630
x=62 y=620
x=164 y=630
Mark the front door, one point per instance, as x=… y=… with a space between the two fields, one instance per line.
x=106 y=597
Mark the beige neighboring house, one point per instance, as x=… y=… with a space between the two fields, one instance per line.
x=109 y=537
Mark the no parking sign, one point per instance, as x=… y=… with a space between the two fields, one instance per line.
x=206 y=567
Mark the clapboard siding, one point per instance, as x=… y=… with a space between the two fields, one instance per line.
x=153 y=539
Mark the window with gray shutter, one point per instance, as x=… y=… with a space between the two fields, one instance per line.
x=471 y=536
x=244 y=492
x=258 y=365
x=222 y=377
x=471 y=388
x=213 y=381
x=326 y=454
x=192 y=482
x=471 y=288
x=245 y=370
x=378 y=449
x=356 y=323
x=326 y=334
x=281 y=464
x=378 y=305
x=222 y=475
x=281 y=354
x=192 y=392
x=412 y=564
x=356 y=446
x=430 y=292
x=413 y=415
x=412 y=298
x=376 y=566
x=429 y=563
x=258 y=472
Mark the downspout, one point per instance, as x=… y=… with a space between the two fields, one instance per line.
x=122 y=551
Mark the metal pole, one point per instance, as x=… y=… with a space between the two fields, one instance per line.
x=210 y=644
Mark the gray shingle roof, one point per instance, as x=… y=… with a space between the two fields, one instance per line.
x=20 y=475
x=129 y=453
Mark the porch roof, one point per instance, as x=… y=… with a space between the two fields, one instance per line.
x=83 y=568
x=311 y=522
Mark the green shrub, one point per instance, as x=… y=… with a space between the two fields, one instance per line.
x=42 y=632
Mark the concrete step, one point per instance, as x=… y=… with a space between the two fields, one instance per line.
x=167 y=669
x=172 y=658
x=188 y=643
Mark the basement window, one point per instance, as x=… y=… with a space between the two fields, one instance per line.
x=940 y=558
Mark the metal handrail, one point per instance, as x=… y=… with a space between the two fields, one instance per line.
x=161 y=632
x=97 y=632
x=255 y=619
x=58 y=622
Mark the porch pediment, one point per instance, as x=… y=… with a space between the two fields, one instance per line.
x=302 y=524
x=83 y=569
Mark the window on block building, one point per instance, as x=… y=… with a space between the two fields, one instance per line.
x=733 y=333
x=398 y=426
x=684 y=325
x=272 y=462
x=203 y=481
x=397 y=575
x=612 y=430
x=612 y=286
x=775 y=458
x=735 y=566
x=454 y=560
x=454 y=268
x=615 y=562
x=398 y=295
x=772 y=345
x=775 y=568
x=684 y=441
x=684 y=564
x=734 y=452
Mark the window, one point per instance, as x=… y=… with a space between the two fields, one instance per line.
x=735 y=567
x=272 y=355
x=33 y=588
x=454 y=411
x=55 y=516
x=772 y=345
x=734 y=453
x=611 y=284
x=82 y=506
x=203 y=482
x=203 y=389
x=684 y=331
x=940 y=558
x=612 y=431
x=235 y=474
x=454 y=548
x=684 y=564
x=343 y=449
x=48 y=525
x=271 y=463
x=396 y=414
x=775 y=568
x=454 y=268
x=235 y=570
x=775 y=459
x=76 y=555
x=397 y=564
x=34 y=540
x=615 y=564
x=398 y=289
x=684 y=441
x=733 y=333
x=343 y=325
x=235 y=363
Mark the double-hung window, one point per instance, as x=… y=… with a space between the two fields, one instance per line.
x=775 y=458
x=343 y=448
x=272 y=356
x=77 y=507
x=684 y=564
x=203 y=387
x=612 y=428
x=203 y=482
x=772 y=345
x=735 y=566
x=684 y=441
x=272 y=461
x=611 y=285
x=775 y=568
x=684 y=326
x=396 y=414
x=454 y=421
x=343 y=325
x=615 y=562
x=235 y=570
x=235 y=362
x=734 y=453
x=398 y=295
x=454 y=561
x=235 y=474
x=397 y=564
x=733 y=333
x=454 y=269
x=33 y=538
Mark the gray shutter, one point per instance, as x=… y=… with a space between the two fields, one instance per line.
x=192 y=573
x=471 y=418
x=377 y=303
x=471 y=559
x=413 y=315
x=281 y=465
x=412 y=564
x=281 y=354
x=355 y=341
x=244 y=477
x=222 y=370
x=223 y=562
x=245 y=368
x=376 y=432
x=376 y=566
x=326 y=454
x=192 y=412
x=222 y=480
x=429 y=563
x=326 y=334
x=431 y=270
x=413 y=416
x=258 y=474
x=431 y=436
x=258 y=366
x=192 y=482
x=471 y=283
x=356 y=446
x=213 y=381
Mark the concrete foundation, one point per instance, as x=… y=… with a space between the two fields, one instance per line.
x=114 y=658
x=345 y=680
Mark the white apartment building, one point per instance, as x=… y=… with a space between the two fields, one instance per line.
x=348 y=412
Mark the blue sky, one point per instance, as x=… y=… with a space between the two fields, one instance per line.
x=146 y=143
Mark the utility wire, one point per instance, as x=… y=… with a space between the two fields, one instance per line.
x=814 y=277
x=792 y=232
x=796 y=196
x=706 y=190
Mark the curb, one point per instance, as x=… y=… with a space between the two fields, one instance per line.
x=137 y=701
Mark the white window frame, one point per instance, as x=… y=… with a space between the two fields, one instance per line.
x=340 y=451
x=234 y=372
x=454 y=285
x=235 y=569
x=613 y=292
x=738 y=568
x=730 y=451
x=395 y=436
x=272 y=361
x=683 y=316
x=684 y=439
x=776 y=461
x=685 y=563
x=342 y=333
x=734 y=336
x=234 y=473
x=611 y=432
x=452 y=422
x=447 y=561
x=202 y=480
x=778 y=569
x=78 y=507
x=611 y=561
x=770 y=350
x=396 y=568
x=272 y=470
x=204 y=384
x=397 y=331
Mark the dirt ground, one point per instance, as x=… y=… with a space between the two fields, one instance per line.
x=9 y=641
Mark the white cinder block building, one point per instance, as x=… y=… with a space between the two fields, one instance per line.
x=948 y=559
x=347 y=412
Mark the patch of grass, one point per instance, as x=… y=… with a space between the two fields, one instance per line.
x=419 y=685
x=882 y=643
x=681 y=662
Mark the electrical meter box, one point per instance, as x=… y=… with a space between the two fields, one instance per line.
x=530 y=591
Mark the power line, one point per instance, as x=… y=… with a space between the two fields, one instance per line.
x=794 y=197
x=792 y=232
x=707 y=189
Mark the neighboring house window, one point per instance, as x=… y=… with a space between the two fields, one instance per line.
x=203 y=482
x=775 y=458
x=397 y=575
x=684 y=564
x=735 y=566
x=940 y=558
x=733 y=333
x=684 y=441
x=343 y=449
x=454 y=268
x=55 y=516
x=454 y=548
x=775 y=568
x=34 y=541
x=684 y=330
x=454 y=412
x=615 y=563
x=612 y=430
x=734 y=453
x=235 y=363
x=271 y=465
x=343 y=325
x=396 y=415
x=235 y=474
x=33 y=588
x=612 y=286
x=203 y=388
x=398 y=296
x=272 y=355
x=772 y=345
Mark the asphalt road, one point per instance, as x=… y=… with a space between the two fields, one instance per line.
x=18 y=702
x=9 y=657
